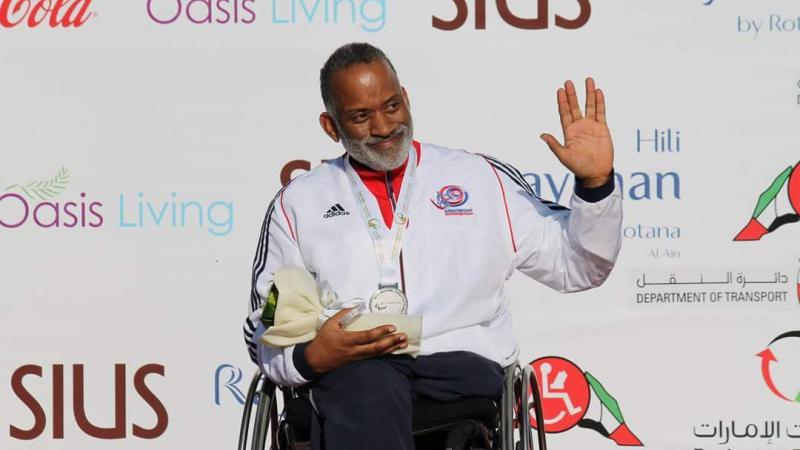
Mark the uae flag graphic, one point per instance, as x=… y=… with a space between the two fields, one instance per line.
x=778 y=205
x=605 y=417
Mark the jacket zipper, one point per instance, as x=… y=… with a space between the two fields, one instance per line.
x=390 y=191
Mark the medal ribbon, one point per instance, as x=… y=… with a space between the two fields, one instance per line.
x=388 y=259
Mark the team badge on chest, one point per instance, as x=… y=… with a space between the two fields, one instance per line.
x=451 y=199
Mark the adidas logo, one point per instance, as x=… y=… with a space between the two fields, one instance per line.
x=336 y=210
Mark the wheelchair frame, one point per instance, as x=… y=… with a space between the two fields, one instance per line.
x=514 y=401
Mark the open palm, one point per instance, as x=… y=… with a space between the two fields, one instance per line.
x=588 y=151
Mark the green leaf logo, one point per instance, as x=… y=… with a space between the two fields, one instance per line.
x=43 y=189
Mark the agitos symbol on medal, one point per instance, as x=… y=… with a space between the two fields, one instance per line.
x=772 y=210
x=450 y=198
x=572 y=397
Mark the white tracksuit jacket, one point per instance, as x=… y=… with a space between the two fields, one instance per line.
x=456 y=260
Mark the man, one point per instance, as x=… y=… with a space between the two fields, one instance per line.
x=464 y=222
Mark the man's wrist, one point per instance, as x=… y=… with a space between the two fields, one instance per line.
x=300 y=360
x=593 y=190
x=593 y=182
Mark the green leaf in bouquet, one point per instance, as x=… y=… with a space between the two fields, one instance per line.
x=268 y=314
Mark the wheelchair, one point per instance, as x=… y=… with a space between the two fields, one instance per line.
x=476 y=423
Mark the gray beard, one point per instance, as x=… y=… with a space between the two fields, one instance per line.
x=383 y=161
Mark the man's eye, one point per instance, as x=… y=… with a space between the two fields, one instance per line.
x=393 y=106
x=359 y=117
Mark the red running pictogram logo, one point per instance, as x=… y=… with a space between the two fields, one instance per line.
x=55 y=13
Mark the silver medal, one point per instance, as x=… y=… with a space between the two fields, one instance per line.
x=388 y=301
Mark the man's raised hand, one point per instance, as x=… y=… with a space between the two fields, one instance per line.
x=587 y=151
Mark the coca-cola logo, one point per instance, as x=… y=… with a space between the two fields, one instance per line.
x=53 y=13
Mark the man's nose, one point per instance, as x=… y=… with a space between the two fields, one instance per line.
x=380 y=125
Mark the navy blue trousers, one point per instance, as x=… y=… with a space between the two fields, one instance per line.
x=367 y=404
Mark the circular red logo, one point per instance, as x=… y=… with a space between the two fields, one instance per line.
x=564 y=392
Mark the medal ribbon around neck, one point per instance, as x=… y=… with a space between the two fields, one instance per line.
x=388 y=260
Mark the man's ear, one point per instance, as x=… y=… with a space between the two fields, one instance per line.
x=328 y=126
x=405 y=96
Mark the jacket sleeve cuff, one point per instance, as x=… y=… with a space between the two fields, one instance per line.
x=300 y=363
x=594 y=195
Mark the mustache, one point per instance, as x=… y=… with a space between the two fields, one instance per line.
x=399 y=131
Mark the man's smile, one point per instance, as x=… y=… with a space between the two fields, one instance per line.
x=386 y=143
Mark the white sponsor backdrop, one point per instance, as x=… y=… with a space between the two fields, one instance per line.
x=142 y=115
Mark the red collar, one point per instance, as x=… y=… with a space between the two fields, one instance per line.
x=377 y=182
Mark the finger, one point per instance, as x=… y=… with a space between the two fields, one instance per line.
x=590 y=99
x=369 y=336
x=554 y=145
x=601 y=106
x=572 y=98
x=563 y=108
x=336 y=319
x=381 y=346
x=397 y=347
